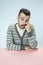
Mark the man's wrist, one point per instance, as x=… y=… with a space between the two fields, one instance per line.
x=29 y=34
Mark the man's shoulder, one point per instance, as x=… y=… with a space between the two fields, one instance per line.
x=11 y=26
x=32 y=26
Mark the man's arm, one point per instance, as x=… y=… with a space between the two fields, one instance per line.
x=10 y=40
x=32 y=39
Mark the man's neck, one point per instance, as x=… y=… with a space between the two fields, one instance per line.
x=21 y=31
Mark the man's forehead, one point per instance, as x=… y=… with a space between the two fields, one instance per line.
x=24 y=16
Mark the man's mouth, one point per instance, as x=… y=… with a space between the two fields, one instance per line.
x=24 y=25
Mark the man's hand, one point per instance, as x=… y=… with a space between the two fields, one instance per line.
x=28 y=27
x=28 y=48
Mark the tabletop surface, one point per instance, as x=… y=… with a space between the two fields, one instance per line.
x=24 y=57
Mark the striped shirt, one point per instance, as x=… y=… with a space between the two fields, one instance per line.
x=15 y=42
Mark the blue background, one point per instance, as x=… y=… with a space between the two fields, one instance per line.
x=9 y=10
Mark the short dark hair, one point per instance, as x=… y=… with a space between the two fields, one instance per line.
x=25 y=11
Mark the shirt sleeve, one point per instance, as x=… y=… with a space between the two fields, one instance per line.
x=32 y=38
x=10 y=41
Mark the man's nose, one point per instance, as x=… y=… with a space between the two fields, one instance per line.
x=24 y=22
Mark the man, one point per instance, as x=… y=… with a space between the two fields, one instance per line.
x=21 y=36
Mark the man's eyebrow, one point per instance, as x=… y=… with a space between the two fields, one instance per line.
x=23 y=18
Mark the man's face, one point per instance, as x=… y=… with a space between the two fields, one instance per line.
x=23 y=20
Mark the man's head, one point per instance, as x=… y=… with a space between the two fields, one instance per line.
x=23 y=17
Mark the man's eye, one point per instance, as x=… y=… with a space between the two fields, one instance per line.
x=26 y=20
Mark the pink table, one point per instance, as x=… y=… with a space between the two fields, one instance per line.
x=29 y=57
